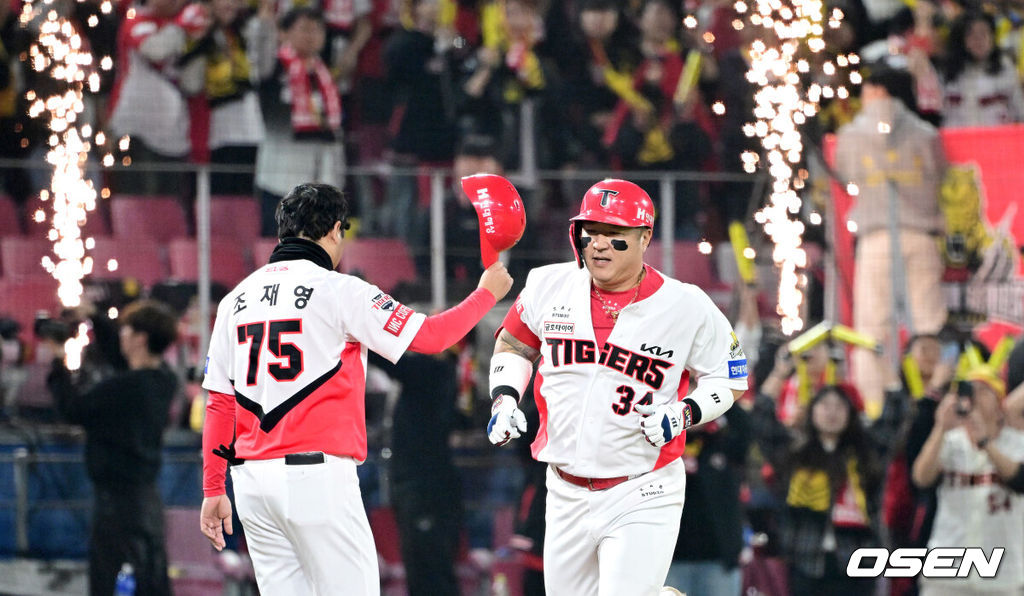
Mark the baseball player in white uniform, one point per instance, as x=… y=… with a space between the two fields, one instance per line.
x=619 y=343
x=286 y=373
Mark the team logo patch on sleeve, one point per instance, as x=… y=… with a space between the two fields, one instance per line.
x=396 y=322
x=735 y=350
x=383 y=301
x=738 y=369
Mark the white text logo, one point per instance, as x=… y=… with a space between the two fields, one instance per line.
x=937 y=562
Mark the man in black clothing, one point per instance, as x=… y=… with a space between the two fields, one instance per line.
x=124 y=417
x=425 y=484
x=707 y=554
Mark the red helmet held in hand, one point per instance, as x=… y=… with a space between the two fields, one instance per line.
x=612 y=201
x=500 y=211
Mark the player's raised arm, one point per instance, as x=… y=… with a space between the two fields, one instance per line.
x=441 y=331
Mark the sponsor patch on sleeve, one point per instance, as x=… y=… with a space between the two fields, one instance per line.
x=206 y=370
x=738 y=369
x=396 y=322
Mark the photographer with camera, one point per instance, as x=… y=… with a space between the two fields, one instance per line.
x=124 y=417
x=972 y=453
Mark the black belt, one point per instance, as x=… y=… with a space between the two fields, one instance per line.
x=304 y=459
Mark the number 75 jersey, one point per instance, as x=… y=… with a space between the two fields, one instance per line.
x=290 y=344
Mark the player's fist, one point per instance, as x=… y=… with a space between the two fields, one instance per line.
x=496 y=280
x=507 y=421
x=661 y=424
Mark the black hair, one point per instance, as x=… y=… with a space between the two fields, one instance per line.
x=1015 y=366
x=917 y=337
x=156 y=320
x=310 y=211
x=853 y=442
x=673 y=7
x=958 y=58
x=897 y=82
x=600 y=5
x=902 y=22
x=289 y=18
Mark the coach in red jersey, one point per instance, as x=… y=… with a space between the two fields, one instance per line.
x=286 y=373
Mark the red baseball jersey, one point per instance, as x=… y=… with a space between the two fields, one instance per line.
x=290 y=343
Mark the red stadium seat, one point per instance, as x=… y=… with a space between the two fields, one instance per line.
x=10 y=224
x=261 y=249
x=157 y=218
x=385 y=262
x=21 y=257
x=140 y=258
x=23 y=298
x=95 y=222
x=228 y=264
x=191 y=560
x=234 y=216
x=691 y=266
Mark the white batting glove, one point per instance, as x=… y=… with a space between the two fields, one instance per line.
x=507 y=420
x=661 y=424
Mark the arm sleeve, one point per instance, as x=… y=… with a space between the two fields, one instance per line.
x=165 y=43
x=217 y=374
x=375 y=319
x=218 y=429
x=718 y=363
x=513 y=323
x=441 y=331
x=261 y=42
x=717 y=356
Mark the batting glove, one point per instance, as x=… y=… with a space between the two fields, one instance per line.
x=661 y=424
x=507 y=421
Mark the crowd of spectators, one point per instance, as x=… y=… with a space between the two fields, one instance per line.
x=818 y=461
x=297 y=90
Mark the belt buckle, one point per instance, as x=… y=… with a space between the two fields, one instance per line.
x=590 y=484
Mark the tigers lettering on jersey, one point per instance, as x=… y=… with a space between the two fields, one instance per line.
x=647 y=370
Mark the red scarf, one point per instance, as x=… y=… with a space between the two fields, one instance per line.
x=307 y=117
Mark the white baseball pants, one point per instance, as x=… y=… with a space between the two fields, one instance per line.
x=614 y=542
x=306 y=527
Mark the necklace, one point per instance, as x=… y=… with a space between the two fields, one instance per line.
x=611 y=311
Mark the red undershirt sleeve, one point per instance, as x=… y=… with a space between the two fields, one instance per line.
x=441 y=331
x=515 y=326
x=218 y=429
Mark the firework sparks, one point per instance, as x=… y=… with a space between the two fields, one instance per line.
x=59 y=52
x=778 y=61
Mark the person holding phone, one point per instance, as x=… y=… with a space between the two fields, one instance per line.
x=973 y=454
